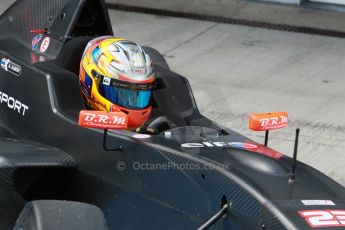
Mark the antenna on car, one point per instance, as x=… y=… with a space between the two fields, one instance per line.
x=293 y=168
x=266 y=137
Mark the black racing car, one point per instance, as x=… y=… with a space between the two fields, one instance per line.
x=195 y=174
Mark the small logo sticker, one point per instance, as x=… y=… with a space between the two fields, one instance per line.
x=139 y=71
x=317 y=202
x=11 y=67
x=141 y=136
x=106 y=81
x=45 y=45
x=242 y=145
x=35 y=41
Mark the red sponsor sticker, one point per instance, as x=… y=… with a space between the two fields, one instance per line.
x=139 y=71
x=268 y=121
x=103 y=120
x=44 y=45
x=324 y=218
x=35 y=41
x=269 y=152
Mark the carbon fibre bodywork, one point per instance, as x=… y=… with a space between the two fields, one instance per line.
x=44 y=154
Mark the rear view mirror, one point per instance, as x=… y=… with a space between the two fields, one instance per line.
x=268 y=121
x=103 y=120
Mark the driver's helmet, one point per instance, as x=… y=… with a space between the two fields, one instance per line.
x=117 y=75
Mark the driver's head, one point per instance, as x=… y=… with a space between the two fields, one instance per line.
x=116 y=75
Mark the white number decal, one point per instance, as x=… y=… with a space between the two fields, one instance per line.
x=324 y=218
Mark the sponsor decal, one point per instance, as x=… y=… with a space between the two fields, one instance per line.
x=106 y=81
x=139 y=70
x=167 y=134
x=103 y=120
x=242 y=145
x=141 y=136
x=220 y=144
x=35 y=41
x=317 y=202
x=85 y=90
x=268 y=121
x=263 y=150
x=324 y=218
x=45 y=45
x=11 y=67
x=13 y=103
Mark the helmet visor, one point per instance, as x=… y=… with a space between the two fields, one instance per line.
x=127 y=95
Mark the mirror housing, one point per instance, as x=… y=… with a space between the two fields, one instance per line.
x=268 y=121
x=58 y=214
x=103 y=119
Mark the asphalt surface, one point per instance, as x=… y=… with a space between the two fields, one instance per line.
x=307 y=15
x=4 y=4
x=236 y=70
